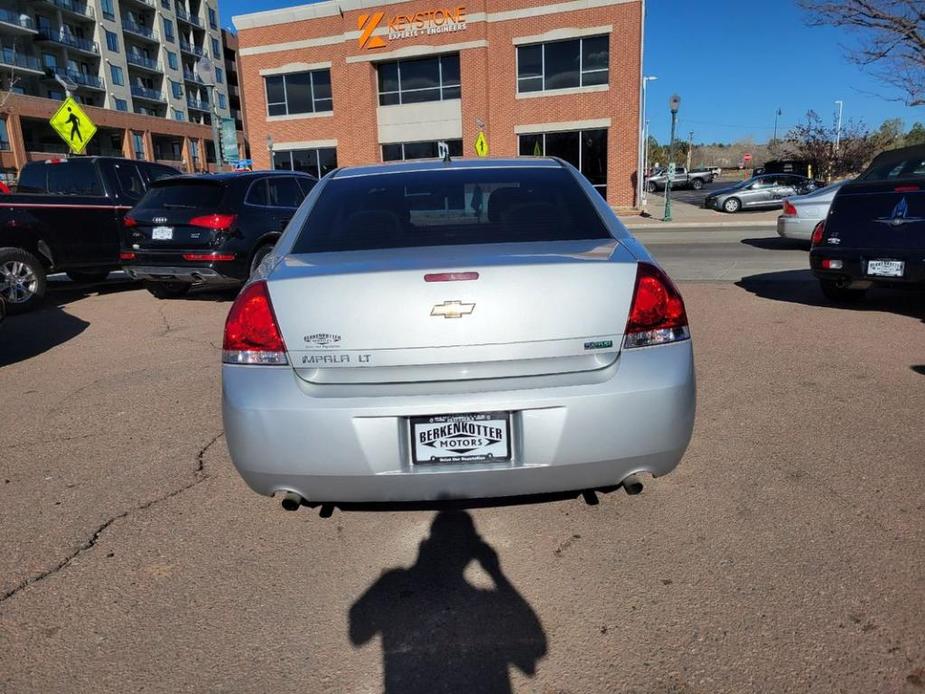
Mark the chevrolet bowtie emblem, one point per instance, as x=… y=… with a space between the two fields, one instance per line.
x=452 y=309
x=900 y=216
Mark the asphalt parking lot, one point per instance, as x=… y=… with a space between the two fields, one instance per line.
x=696 y=197
x=786 y=553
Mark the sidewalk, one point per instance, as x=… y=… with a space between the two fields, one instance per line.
x=685 y=215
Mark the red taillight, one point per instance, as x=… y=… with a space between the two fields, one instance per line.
x=129 y=222
x=657 y=312
x=216 y=222
x=451 y=276
x=906 y=189
x=818 y=233
x=790 y=209
x=126 y=255
x=208 y=257
x=252 y=334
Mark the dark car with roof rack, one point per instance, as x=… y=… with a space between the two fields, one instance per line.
x=66 y=216
x=208 y=230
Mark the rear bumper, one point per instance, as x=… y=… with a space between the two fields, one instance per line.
x=855 y=265
x=191 y=274
x=796 y=228
x=286 y=434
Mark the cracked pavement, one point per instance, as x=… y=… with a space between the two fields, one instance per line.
x=786 y=553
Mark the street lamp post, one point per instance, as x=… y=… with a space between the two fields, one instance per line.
x=838 y=125
x=644 y=148
x=777 y=114
x=673 y=103
x=270 y=149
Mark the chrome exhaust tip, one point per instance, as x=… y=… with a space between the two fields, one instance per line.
x=291 y=501
x=632 y=484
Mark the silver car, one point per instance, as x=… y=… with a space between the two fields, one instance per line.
x=442 y=330
x=761 y=192
x=802 y=213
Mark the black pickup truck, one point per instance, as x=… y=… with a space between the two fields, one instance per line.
x=66 y=216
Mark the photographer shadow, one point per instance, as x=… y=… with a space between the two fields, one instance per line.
x=439 y=632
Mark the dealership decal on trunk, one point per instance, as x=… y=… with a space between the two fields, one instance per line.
x=323 y=339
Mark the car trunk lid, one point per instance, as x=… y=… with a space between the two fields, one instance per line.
x=534 y=309
x=181 y=213
x=882 y=215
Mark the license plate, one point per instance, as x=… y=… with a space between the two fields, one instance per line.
x=885 y=268
x=162 y=233
x=461 y=438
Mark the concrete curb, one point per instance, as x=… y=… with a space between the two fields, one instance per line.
x=655 y=226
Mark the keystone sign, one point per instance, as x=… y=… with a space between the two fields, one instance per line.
x=409 y=26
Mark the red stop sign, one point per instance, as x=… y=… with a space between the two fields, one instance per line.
x=747 y=157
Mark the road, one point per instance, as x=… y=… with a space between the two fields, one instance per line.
x=786 y=553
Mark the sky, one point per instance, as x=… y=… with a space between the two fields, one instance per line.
x=734 y=64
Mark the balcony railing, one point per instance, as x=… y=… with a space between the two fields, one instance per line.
x=145 y=93
x=189 y=48
x=149 y=3
x=80 y=78
x=185 y=16
x=20 y=20
x=143 y=61
x=190 y=76
x=139 y=30
x=69 y=40
x=10 y=57
x=197 y=104
x=79 y=8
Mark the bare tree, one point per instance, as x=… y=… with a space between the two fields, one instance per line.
x=814 y=141
x=892 y=38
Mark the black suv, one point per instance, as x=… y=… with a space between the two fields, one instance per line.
x=194 y=230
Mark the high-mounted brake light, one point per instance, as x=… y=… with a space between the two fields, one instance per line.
x=128 y=222
x=790 y=209
x=252 y=333
x=657 y=314
x=216 y=222
x=126 y=255
x=906 y=189
x=818 y=233
x=450 y=276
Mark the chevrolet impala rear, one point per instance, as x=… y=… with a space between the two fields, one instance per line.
x=430 y=330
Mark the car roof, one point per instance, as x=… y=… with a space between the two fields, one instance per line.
x=454 y=164
x=231 y=176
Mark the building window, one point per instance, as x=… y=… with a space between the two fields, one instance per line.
x=112 y=41
x=138 y=145
x=178 y=115
x=219 y=75
x=108 y=11
x=317 y=162
x=176 y=89
x=213 y=19
x=117 y=77
x=563 y=64
x=49 y=60
x=423 y=79
x=586 y=150
x=4 y=136
x=400 y=151
x=216 y=48
x=222 y=102
x=121 y=105
x=299 y=92
x=172 y=60
x=168 y=30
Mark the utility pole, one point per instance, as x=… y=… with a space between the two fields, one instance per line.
x=690 y=150
x=644 y=148
x=673 y=103
x=777 y=114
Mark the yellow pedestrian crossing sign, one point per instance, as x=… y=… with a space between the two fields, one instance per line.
x=481 y=144
x=73 y=125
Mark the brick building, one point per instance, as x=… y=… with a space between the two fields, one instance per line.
x=359 y=81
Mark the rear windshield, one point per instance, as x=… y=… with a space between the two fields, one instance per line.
x=188 y=195
x=890 y=166
x=449 y=207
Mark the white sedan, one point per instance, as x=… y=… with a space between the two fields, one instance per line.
x=445 y=330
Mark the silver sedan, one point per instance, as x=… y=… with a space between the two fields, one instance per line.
x=802 y=213
x=468 y=329
x=761 y=192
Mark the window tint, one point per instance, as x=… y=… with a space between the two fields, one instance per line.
x=892 y=165
x=449 y=207
x=74 y=177
x=185 y=195
x=156 y=172
x=130 y=181
x=284 y=192
x=316 y=162
x=306 y=184
x=257 y=195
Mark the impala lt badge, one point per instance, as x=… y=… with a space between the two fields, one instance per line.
x=452 y=309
